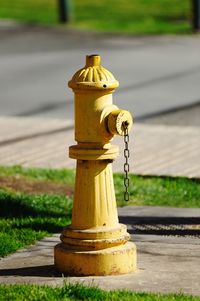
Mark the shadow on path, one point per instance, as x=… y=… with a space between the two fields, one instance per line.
x=35 y=271
x=181 y=226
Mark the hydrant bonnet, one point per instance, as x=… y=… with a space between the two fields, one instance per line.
x=93 y=76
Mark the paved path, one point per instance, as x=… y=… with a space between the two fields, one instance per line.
x=155 y=73
x=166 y=263
x=155 y=149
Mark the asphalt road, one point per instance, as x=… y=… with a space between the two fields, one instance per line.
x=156 y=74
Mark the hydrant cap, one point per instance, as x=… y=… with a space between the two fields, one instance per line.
x=93 y=76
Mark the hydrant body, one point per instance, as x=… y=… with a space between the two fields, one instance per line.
x=95 y=243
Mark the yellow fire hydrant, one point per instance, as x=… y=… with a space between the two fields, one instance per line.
x=95 y=243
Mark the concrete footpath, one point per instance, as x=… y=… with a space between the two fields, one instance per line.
x=168 y=246
x=154 y=149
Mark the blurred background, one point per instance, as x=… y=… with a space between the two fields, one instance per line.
x=129 y=16
x=152 y=48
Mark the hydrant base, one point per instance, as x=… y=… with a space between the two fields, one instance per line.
x=110 y=261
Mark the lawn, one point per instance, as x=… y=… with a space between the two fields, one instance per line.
x=124 y=16
x=26 y=218
x=37 y=202
x=80 y=292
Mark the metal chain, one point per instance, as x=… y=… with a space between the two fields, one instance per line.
x=126 y=164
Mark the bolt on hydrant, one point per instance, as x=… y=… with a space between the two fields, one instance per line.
x=95 y=243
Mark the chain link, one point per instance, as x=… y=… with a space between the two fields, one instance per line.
x=126 y=164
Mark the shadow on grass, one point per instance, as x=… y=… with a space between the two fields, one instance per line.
x=49 y=226
x=13 y=207
x=17 y=207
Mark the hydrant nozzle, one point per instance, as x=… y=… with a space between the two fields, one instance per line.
x=95 y=243
x=116 y=121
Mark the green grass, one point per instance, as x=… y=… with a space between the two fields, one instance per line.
x=134 y=16
x=56 y=175
x=159 y=191
x=80 y=292
x=26 y=218
x=31 y=11
x=125 y=16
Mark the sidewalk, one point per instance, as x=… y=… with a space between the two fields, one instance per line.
x=167 y=263
x=159 y=150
